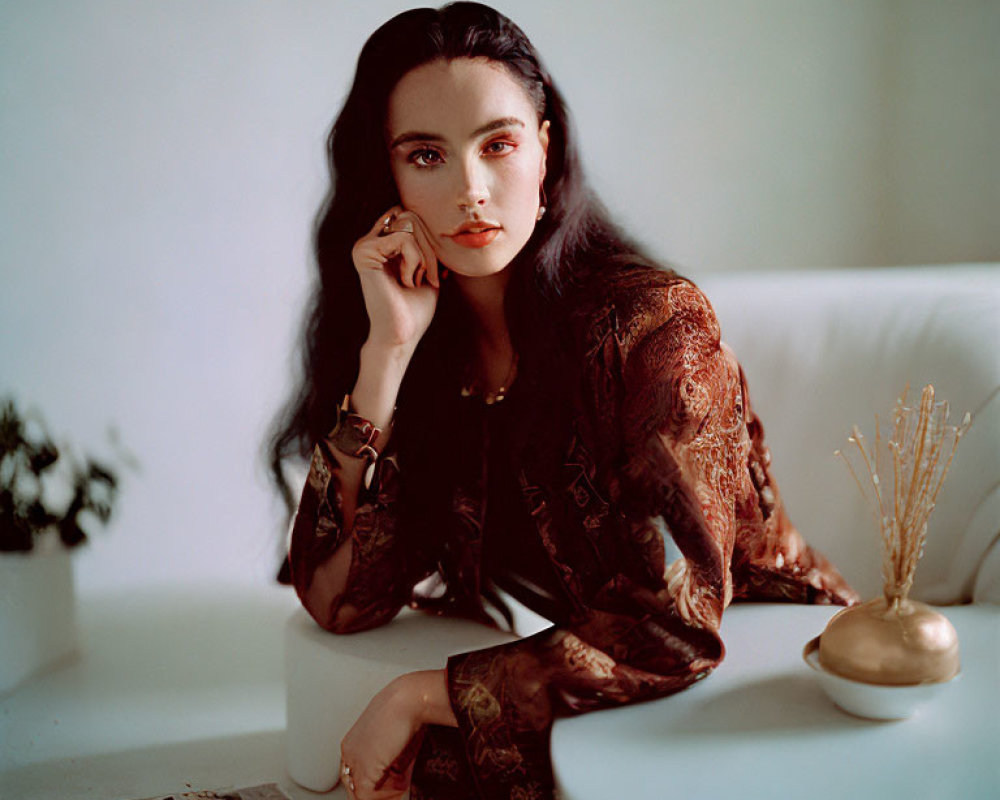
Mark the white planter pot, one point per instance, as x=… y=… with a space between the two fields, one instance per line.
x=37 y=611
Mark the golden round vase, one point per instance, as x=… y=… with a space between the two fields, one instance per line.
x=890 y=644
x=882 y=659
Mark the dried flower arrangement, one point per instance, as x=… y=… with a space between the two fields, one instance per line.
x=28 y=461
x=893 y=640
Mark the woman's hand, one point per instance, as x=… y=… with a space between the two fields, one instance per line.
x=382 y=747
x=400 y=278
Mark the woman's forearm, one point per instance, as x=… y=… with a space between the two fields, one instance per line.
x=374 y=398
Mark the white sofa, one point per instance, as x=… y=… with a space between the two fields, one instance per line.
x=821 y=351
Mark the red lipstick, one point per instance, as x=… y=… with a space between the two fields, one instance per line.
x=476 y=234
x=480 y=239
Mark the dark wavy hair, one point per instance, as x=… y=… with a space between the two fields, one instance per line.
x=574 y=241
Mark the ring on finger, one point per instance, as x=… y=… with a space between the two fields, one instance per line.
x=348 y=779
x=385 y=225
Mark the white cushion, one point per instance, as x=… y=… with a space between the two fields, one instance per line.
x=825 y=350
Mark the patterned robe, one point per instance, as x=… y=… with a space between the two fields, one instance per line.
x=661 y=439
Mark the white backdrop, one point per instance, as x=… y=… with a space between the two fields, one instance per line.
x=162 y=163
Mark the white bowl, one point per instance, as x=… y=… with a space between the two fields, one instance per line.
x=871 y=700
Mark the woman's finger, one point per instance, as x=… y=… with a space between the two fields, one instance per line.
x=413 y=224
x=396 y=254
x=411 y=258
x=430 y=257
x=418 y=262
x=384 y=223
x=403 y=223
x=430 y=261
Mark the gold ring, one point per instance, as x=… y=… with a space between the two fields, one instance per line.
x=385 y=225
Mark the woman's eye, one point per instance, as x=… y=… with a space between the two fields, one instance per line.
x=498 y=147
x=424 y=158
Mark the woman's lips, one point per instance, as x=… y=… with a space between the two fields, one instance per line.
x=476 y=238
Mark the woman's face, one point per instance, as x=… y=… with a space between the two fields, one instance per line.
x=465 y=146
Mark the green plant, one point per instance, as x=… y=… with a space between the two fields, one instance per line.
x=27 y=464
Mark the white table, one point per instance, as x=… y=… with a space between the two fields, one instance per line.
x=761 y=727
x=758 y=727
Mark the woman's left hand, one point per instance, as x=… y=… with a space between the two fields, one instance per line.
x=381 y=748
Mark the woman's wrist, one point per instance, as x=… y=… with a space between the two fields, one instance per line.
x=425 y=695
x=395 y=356
x=380 y=375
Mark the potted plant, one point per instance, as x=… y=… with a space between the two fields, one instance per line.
x=48 y=499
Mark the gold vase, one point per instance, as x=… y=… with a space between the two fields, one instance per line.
x=901 y=642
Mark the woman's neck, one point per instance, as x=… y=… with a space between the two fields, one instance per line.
x=484 y=297
x=496 y=360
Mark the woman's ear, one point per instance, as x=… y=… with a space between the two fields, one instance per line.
x=543 y=139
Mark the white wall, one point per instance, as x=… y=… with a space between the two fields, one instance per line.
x=162 y=163
x=732 y=134
x=943 y=138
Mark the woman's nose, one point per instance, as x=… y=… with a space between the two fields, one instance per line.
x=473 y=190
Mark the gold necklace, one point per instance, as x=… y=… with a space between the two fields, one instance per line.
x=496 y=396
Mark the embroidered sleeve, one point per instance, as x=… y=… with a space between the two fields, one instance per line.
x=381 y=576
x=506 y=697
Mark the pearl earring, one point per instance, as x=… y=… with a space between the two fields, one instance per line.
x=541 y=207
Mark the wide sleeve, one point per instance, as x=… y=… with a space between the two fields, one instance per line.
x=639 y=635
x=382 y=572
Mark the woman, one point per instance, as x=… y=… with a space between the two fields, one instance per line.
x=501 y=391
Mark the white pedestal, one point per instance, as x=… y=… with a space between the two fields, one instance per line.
x=330 y=679
x=37 y=612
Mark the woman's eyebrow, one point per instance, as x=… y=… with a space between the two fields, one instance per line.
x=417 y=136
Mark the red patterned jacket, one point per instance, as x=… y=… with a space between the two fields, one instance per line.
x=663 y=429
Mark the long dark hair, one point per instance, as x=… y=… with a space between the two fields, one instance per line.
x=573 y=242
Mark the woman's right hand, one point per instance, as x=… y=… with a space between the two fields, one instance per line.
x=400 y=278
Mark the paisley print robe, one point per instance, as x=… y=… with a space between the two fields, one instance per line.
x=664 y=440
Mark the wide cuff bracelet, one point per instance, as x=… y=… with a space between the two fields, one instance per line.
x=354 y=435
